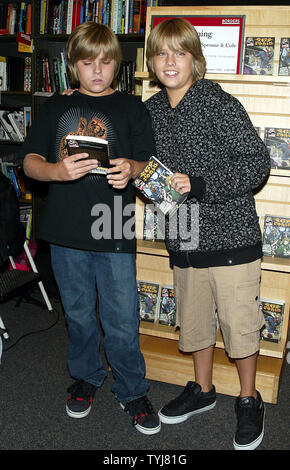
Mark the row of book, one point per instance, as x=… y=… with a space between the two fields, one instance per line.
x=15 y=73
x=275 y=232
x=259 y=56
x=15 y=17
x=14 y=123
x=55 y=76
x=123 y=16
x=17 y=177
x=157 y=304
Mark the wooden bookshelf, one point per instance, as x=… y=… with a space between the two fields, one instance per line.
x=267 y=101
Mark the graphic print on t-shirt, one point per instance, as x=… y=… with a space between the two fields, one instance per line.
x=85 y=122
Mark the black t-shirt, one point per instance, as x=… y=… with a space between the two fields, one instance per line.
x=88 y=213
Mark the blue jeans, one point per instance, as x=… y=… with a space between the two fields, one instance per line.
x=79 y=275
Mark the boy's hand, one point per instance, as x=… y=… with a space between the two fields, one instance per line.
x=74 y=167
x=181 y=183
x=121 y=172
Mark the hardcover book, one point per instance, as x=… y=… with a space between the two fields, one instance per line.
x=96 y=148
x=273 y=311
x=154 y=182
x=259 y=56
x=277 y=141
x=284 y=57
x=276 y=236
x=148 y=294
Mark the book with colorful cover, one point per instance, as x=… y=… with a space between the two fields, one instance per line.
x=284 y=57
x=276 y=236
x=26 y=219
x=154 y=182
x=259 y=56
x=148 y=294
x=167 y=310
x=277 y=141
x=273 y=311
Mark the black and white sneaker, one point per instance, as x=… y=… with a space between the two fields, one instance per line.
x=80 y=399
x=250 y=414
x=190 y=402
x=145 y=419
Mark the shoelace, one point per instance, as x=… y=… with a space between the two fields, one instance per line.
x=139 y=409
x=81 y=390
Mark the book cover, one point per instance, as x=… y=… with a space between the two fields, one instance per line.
x=167 y=312
x=273 y=311
x=148 y=294
x=154 y=183
x=153 y=228
x=276 y=236
x=277 y=141
x=284 y=57
x=6 y=125
x=96 y=148
x=259 y=56
x=26 y=219
x=16 y=118
x=15 y=182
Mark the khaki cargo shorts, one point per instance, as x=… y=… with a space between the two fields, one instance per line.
x=231 y=291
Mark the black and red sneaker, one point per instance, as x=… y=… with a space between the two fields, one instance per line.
x=145 y=419
x=80 y=399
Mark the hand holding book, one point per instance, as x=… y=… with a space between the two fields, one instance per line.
x=94 y=148
x=167 y=190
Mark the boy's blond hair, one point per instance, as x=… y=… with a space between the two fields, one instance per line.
x=177 y=31
x=87 y=41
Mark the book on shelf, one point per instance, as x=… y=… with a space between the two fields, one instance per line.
x=259 y=55
x=154 y=182
x=284 y=57
x=15 y=17
x=12 y=124
x=27 y=119
x=15 y=73
x=122 y=16
x=5 y=168
x=167 y=308
x=148 y=295
x=26 y=218
x=15 y=181
x=277 y=141
x=17 y=177
x=273 y=311
x=96 y=148
x=153 y=228
x=138 y=8
x=54 y=77
x=126 y=77
x=7 y=127
x=276 y=236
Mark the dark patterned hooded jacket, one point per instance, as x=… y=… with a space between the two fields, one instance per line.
x=210 y=137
